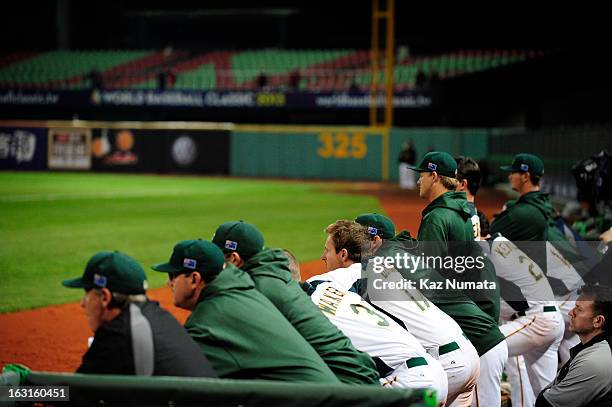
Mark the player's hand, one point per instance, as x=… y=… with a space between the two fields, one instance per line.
x=606 y=236
x=388 y=381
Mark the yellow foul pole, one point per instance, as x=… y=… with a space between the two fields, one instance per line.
x=388 y=15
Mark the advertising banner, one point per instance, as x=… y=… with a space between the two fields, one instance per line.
x=257 y=99
x=45 y=97
x=23 y=148
x=69 y=149
x=176 y=98
x=192 y=151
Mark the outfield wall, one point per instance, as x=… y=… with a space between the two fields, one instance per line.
x=277 y=151
x=308 y=152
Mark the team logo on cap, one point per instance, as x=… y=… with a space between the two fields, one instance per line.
x=372 y=231
x=99 y=280
x=524 y=167
x=231 y=245
x=432 y=166
x=190 y=263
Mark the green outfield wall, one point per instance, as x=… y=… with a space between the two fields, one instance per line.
x=293 y=152
x=278 y=151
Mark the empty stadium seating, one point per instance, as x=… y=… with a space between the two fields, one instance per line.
x=63 y=69
x=310 y=70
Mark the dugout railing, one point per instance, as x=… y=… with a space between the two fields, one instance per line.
x=113 y=390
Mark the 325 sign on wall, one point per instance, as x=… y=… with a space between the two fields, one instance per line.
x=342 y=145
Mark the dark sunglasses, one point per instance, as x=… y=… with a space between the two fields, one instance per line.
x=174 y=274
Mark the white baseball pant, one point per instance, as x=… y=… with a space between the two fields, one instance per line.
x=488 y=388
x=536 y=336
x=430 y=376
x=522 y=394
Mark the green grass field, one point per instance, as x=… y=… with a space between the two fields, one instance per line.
x=51 y=223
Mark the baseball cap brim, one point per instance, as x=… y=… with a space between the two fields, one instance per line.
x=508 y=168
x=418 y=169
x=166 y=268
x=74 y=283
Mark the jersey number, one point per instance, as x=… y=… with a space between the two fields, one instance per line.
x=422 y=299
x=380 y=320
x=535 y=275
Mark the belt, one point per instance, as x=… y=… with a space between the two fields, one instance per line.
x=418 y=361
x=449 y=347
x=546 y=308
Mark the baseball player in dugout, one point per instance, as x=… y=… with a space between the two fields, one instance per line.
x=243 y=335
x=468 y=181
x=446 y=218
x=133 y=336
x=529 y=224
x=243 y=247
x=437 y=332
x=532 y=325
x=526 y=218
x=446 y=230
x=530 y=217
x=401 y=360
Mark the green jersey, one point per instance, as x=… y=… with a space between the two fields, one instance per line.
x=245 y=337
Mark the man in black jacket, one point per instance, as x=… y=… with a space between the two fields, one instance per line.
x=133 y=336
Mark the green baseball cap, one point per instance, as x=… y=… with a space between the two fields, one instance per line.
x=438 y=161
x=526 y=163
x=113 y=270
x=239 y=236
x=377 y=224
x=194 y=255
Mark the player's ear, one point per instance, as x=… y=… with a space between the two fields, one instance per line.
x=376 y=242
x=343 y=254
x=106 y=297
x=239 y=262
x=526 y=176
x=599 y=321
x=234 y=258
x=195 y=278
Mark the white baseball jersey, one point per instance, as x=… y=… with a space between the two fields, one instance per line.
x=428 y=323
x=370 y=330
x=514 y=266
x=343 y=277
x=558 y=267
x=433 y=329
x=379 y=336
x=536 y=335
